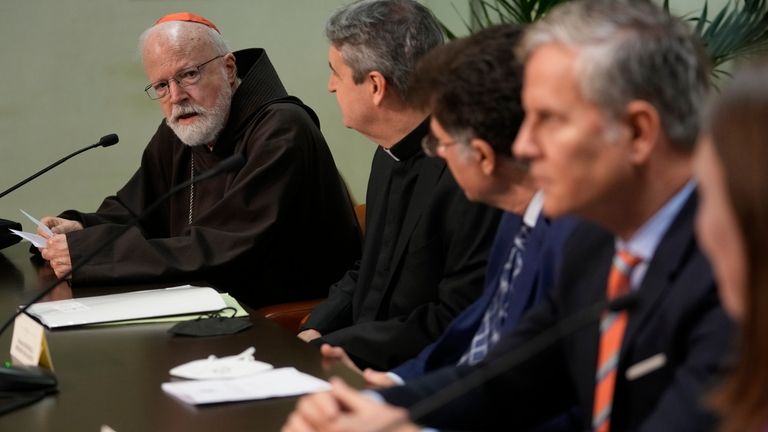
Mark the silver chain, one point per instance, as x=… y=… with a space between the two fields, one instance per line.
x=192 y=189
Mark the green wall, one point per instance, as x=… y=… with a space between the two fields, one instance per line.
x=71 y=73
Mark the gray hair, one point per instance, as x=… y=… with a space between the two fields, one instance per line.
x=388 y=36
x=629 y=50
x=183 y=32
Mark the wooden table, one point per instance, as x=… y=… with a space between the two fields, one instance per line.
x=112 y=375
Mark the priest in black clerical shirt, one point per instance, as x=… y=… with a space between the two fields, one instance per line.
x=426 y=245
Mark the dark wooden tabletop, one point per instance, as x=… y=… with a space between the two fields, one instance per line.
x=112 y=375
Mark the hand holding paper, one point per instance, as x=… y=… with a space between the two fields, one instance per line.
x=52 y=243
x=36 y=240
x=59 y=225
x=44 y=231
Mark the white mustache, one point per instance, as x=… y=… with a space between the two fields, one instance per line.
x=180 y=110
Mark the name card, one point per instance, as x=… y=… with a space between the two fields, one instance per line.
x=28 y=344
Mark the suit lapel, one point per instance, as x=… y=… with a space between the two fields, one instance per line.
x=596 y=282
x=584 y=286
x=674 y=248
x=508 y=227
x=453 y=342
x=505 y=234
x=524 y=284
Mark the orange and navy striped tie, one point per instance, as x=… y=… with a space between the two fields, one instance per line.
x=612 y=327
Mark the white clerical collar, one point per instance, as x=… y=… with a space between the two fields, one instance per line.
x=391 y=154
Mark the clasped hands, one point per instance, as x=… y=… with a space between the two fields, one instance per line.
x=343 y=409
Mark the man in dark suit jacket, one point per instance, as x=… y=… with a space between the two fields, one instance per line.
x=426 y=245
x=540 y=263
x=611 y=93
x=676 y=335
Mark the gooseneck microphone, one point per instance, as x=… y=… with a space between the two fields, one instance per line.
x=508 y=360
x=15 y=380
x=105 y=141
x=6 y=237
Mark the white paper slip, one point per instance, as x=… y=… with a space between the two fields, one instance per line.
x=37 y=240
x=281 y=382
x=127 y=306
x=44 y=228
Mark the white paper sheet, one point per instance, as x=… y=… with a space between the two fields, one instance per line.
x=184 y=299
x=44 y=228
x=281 y=382
x=36 y=240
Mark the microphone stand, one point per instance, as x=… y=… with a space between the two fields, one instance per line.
x=105 y=141
x=9 y=376
x=6 y=237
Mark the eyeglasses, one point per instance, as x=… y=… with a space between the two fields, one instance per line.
x=430 y=144
x=187 y=77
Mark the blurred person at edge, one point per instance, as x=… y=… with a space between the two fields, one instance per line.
x=732 y=225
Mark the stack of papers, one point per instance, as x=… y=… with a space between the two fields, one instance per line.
x=230 y=301
x=180 y=300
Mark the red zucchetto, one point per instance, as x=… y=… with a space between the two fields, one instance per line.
x=189 y=17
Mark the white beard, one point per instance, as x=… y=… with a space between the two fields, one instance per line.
x=208 y=123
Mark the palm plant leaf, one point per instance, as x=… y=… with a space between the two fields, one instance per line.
x=484 y=18
x=488 y=12
x=739 y=29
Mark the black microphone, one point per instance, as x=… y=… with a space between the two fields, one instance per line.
x=20 y=380
x=7 y=238
x=105 y=141
x=510 y=359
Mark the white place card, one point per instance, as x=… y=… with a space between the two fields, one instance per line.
x=28 y=344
